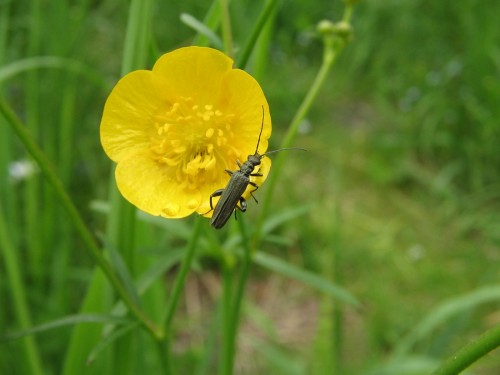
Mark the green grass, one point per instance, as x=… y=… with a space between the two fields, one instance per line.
x=397 y=199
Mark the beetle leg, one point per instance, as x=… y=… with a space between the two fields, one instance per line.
x=216 y=193
x=256 y=187
x=229 y=172
x=242 y=206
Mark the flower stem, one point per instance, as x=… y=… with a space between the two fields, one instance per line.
x=470 y=353
x=91 y=246
x=227 y=354
x=333 y=44
x=178 y=287
x=232 y=306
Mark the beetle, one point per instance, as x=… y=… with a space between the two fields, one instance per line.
x=231 y=197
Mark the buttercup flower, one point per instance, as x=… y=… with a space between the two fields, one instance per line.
x=174 y=130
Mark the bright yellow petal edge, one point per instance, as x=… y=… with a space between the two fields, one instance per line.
x=174 y=130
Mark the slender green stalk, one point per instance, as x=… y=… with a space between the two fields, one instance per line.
x=137 y=35
x=6 y=145
x=32 y=196
x=258 y=27
x=261 y=49
x=470 y=353
x=232 y=317
x=333 y=42
x=181 y=276
x=19 y=296
x=226 y=356
x=227 y=37
x=91 y=246
x=178 y=286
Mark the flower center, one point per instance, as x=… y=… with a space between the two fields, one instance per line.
x=194 y=141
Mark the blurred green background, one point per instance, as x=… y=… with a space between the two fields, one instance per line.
x=402 y=177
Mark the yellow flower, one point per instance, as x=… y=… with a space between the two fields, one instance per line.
x=175 y=130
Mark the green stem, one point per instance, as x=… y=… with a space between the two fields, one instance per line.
x=233 y=306
x=258 y=27
x=179 y=285
x=227 y=326
x=333 y=45
x=33 y=197
x=19 y=296
x=226 y=28
x=91 y=246
x=470 y=353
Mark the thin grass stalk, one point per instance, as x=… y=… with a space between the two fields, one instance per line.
x=177 y=288
x=32 y=195
x=261 y=50
x=89 y=241
x=233 y=304
x=227 y=37
x=6 y=144
x=258 y=27
x=65 y=156
x=470 y=353
x=21 y=309
x=226 y=358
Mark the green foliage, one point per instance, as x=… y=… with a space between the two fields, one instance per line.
x=379 y=250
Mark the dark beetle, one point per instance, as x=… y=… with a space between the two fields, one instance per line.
x=239 y=181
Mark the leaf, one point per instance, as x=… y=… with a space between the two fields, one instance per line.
x=108 y=340
x=146 y=280
x=121 y=268
x=66 y=321
x=444 y=312
x=180 y=228
x=275 y=221
x=162 y=265
x=306 y=277
x=54 y=62
x=201 y=28
x=414 y=365
x=279 y=360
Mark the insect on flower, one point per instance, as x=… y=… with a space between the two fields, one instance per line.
x=231 y=196
x=174 y=130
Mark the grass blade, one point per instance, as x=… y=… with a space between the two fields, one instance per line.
x=66 y=321
x=202 y=29
x=306 y=277
x=443 y=313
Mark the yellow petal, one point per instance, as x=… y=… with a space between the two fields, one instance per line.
x=127 y=119
x=242 y=93
x=149 y=186
x=194 y=72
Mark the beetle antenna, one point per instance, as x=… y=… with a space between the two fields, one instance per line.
x=282 y=149
x=261 y=127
